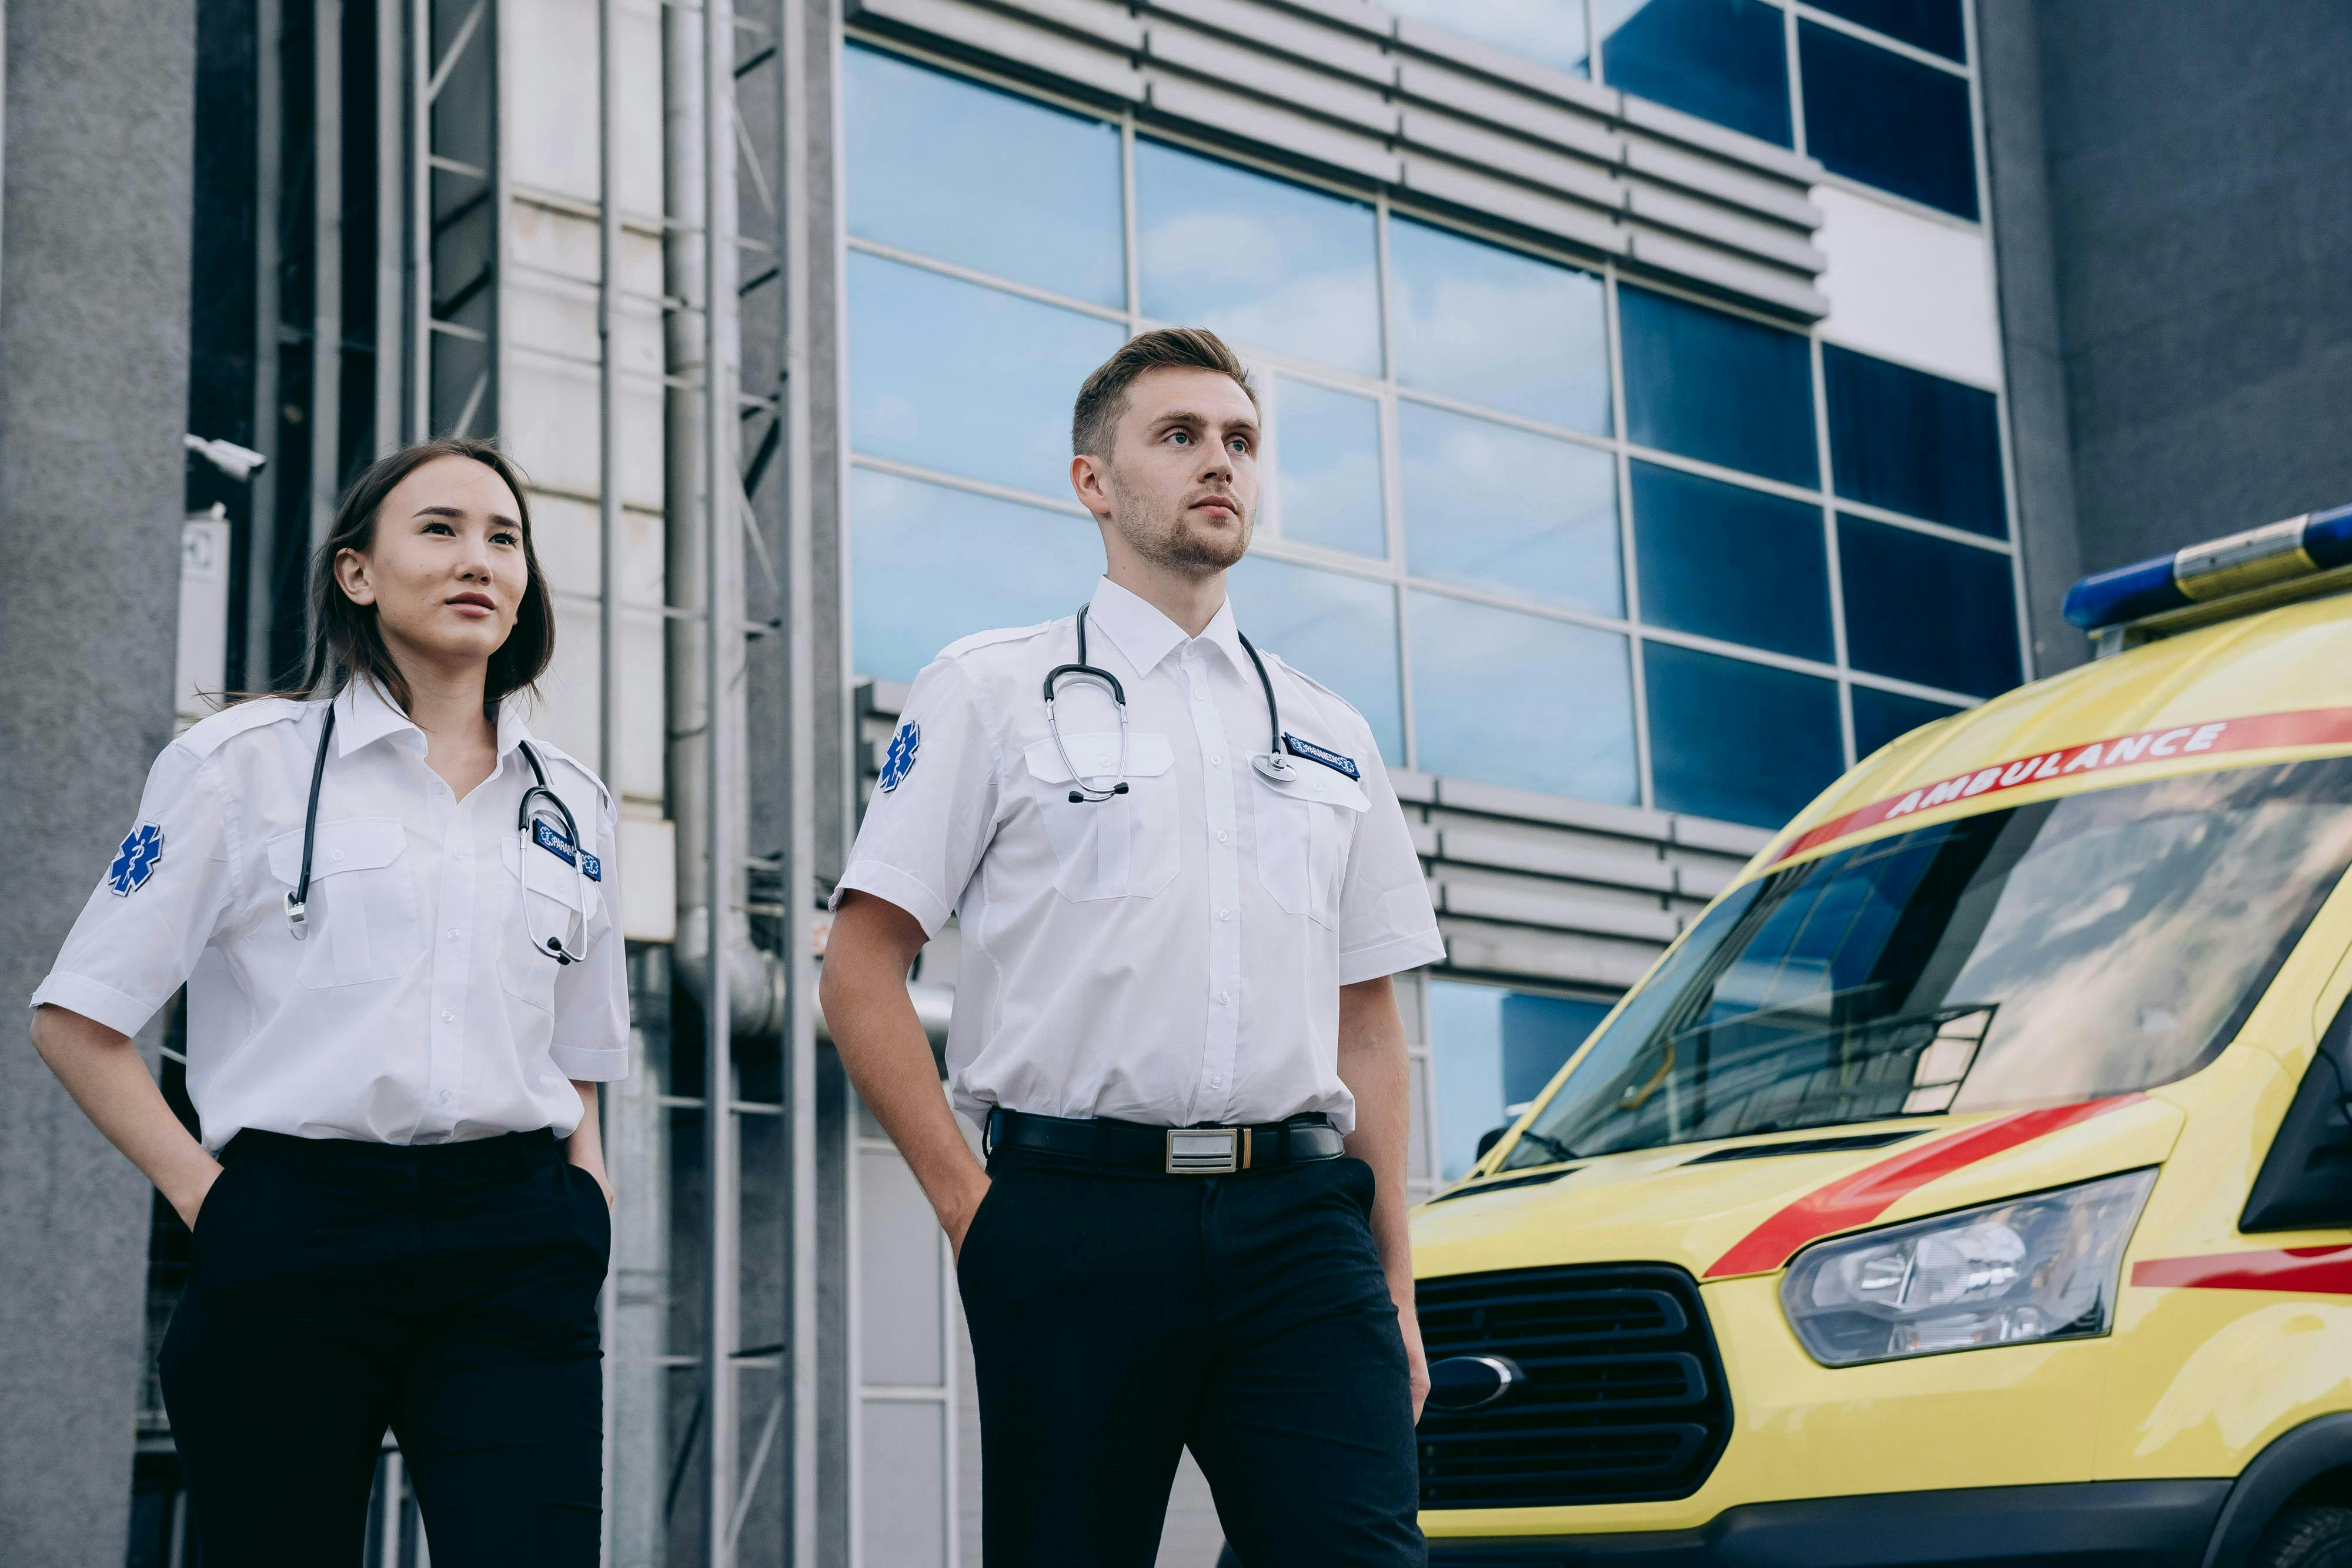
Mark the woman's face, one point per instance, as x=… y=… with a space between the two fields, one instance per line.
x=445 y=570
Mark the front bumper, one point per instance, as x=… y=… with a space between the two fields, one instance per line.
x=2090 y=1524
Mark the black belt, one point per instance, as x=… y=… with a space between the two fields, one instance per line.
x=1175 y=1151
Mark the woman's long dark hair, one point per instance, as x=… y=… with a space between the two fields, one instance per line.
x=346 y=640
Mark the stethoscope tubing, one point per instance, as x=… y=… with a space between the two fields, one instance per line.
x=1272 y=763
x=298 y=902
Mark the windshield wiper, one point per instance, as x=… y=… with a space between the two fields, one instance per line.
x=1549 y=1144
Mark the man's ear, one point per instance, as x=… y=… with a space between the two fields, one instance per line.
x=1091 y=478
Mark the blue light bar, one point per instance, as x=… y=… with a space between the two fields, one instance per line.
x=2299 y=546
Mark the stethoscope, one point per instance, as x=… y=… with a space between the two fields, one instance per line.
x=533 y=822
x=1270 y=763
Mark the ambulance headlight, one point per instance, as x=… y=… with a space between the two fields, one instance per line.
x=2026 y=1269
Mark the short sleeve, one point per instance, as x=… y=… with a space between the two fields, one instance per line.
x=591 y=1041
x=1386 y=921
x=161 y=890
x=934 y=809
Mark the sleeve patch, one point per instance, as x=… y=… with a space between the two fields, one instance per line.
x=901 y=759
x=134 y=859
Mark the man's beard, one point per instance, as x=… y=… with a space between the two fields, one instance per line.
x=1173 y=542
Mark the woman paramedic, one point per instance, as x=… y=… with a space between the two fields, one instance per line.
x=392 y=908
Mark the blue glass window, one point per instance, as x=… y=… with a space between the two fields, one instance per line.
x=951 y=375
x=1548 y=32
x=951 y=169
x=1735 y=741
x=1931 y=25
x=1725 y=60
x=1896 y=123
x=1492 y=1049
x=1910 y=442
x=1341 y=630
x=1491 y=325
x=1881 y=716
x=1490 y=506
x=930 y=564
x=1519 y=699
x=1923 y=608
x=1722 y=560
x=1712 y=386
x=1327 y=467
x=1263 y=262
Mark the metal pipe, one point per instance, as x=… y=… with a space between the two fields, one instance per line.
x=327 y=265
x=723 y=648
x=608 y=548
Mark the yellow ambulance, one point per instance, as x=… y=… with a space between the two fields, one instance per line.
x=1971 y=1182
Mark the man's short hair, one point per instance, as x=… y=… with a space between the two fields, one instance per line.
x=1103 y=399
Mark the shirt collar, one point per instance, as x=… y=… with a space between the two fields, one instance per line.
x=1140 y=631
x=363 y=714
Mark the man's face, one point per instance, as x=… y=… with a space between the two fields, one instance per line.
x=1183 y=478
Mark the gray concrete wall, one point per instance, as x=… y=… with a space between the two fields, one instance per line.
x=94 y=257
x=2201 y=185
x=2032 y=347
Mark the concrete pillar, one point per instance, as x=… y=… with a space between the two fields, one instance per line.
x=94 y=269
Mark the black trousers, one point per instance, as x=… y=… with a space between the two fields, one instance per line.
x=1118 y=1319
x=447 y=1291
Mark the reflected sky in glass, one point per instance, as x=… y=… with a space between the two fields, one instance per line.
x=1725 y=60
x=1735 y=741
x=1488 y=506
x=930 y=564
x=1519 y=699
x=1548 y=32
x=973 y=381
x=1494 y=1049
x=1495 y=326
x=1328 y=465
x=1341 y=629
x=963 y=172
x=1262 y=262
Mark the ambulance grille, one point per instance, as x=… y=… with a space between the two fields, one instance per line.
x=1624 y=1400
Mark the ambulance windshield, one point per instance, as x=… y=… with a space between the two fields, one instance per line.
x=2099 y=943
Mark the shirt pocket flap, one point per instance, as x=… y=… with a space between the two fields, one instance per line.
x=540 y=870
x=353 y=843
x=1096 y=756
x=1313 y=781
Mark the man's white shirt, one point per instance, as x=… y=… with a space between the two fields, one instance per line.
x=1170 y=956
x=415 y=1010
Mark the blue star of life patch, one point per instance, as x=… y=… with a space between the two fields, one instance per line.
x=134 y=859
x=901 y=759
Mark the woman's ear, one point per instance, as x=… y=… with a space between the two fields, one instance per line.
x=351 y=576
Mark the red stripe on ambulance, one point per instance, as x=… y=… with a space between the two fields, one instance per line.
x=2305 y=1270
x=2307 y=726
x=1854 y=1201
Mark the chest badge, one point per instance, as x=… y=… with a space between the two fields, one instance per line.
x=1323 y=755
x=900 y=760
x=549 y=837
x=134 y=859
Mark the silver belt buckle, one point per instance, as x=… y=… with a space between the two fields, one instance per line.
x=1203 y=1150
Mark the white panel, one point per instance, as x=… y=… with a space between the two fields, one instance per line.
x=901 y=1279
x=904 y=1479
x=1907 y=287
x=649 y=879
x=550 y=119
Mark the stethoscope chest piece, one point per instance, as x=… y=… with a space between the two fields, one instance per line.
x=1278 y=768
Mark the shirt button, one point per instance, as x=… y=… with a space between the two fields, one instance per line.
x=1223 y=998
x=1216 y=762
x=334 y=854
x=448 y=1017
x=1221 y=835
x=1225 y=915
x=1215 y=1081
x=453 y=934
x=445 y=1096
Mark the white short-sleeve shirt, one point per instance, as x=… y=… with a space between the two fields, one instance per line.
x=414 y=1011
x=1171 y=956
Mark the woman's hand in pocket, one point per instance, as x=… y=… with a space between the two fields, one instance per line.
x=956 y=1223
x=188 y=1214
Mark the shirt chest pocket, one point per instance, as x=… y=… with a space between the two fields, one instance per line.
x=1124 y=847
x=544 y=898
x=1305 y=831
x=363 y=920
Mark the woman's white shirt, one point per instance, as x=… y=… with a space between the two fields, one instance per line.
x=416 y=1010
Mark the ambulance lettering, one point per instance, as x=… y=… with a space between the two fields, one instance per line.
x=2207 y=734
x=2126 y=750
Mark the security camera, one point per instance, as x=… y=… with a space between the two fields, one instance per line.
x=240 y=463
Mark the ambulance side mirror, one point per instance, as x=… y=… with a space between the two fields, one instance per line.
x=2305 y=1182
x=1490 y=1137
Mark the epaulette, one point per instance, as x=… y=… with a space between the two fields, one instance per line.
x=207 y=734
x=548 y=749
x=963 y=645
